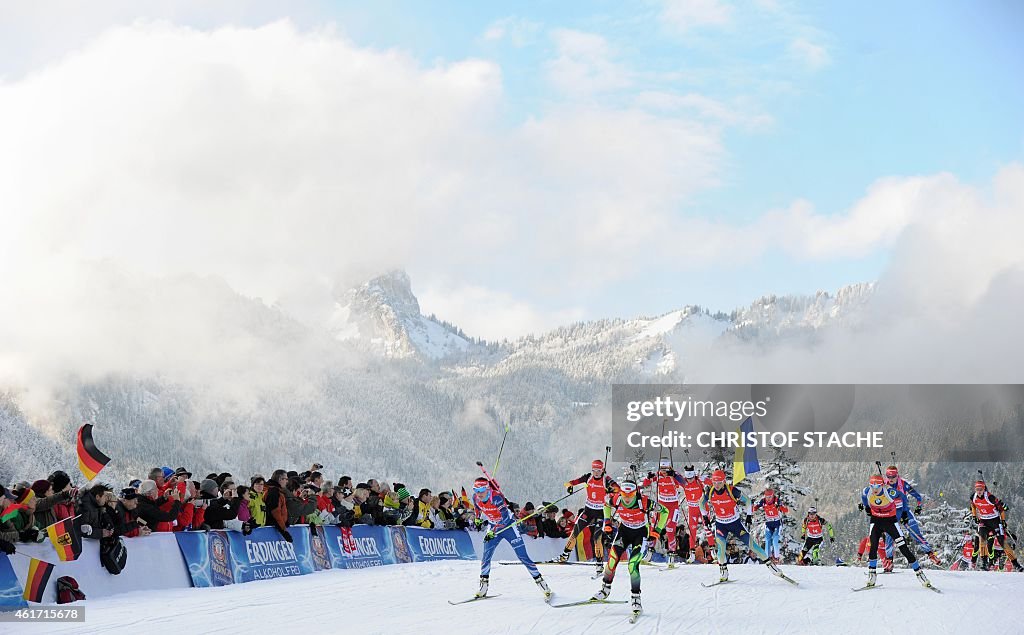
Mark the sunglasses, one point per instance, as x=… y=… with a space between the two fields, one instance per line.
x=481 y=490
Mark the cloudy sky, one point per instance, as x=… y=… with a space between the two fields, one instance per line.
x=529 y=164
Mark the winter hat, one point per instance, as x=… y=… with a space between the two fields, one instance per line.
x=129 y=493
x=182 y=472
x=168 y=472
x=528 y=507
x=208 y=488
x=403 y=494
x=6 y=494
x=147 y=487
x=257 y=478
x=59 y=480
x=40 y=487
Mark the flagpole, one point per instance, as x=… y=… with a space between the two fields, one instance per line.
x=61 y=520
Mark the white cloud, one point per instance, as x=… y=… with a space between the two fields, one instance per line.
x=686 y=15
x=946 y=310
x=515 y=30
x=584 y=65
x=491 y=314
x=288 y=163
x=813 y=56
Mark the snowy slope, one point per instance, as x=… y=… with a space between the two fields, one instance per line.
x=413 y=599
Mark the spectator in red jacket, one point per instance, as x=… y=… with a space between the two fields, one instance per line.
x=128 y=524
x=158 y=512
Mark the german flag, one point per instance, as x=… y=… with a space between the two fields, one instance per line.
x=38 y=576
x=90 y=459
x=65 y=539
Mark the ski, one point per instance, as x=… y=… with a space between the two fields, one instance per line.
x=866 y=587
x=588 y=601
x=785 y=577
x=708 y=586
x=547 y=562
x=932 y=588
x=474 y=599
x=634 y=617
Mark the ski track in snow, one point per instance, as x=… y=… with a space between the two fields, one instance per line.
x=407 y=598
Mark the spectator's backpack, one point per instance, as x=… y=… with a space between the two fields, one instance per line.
x=68 y=591
x=113 y=554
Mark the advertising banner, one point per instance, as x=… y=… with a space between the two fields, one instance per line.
x=208 y=556
x=10 y=588
x=432 y=544
x=360 y=546
x=265 y=554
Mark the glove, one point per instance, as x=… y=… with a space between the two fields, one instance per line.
x=28 y=535
x=749 y=519
x=478 y=522
x=905 y=520
x=832 y=540
x=7 y=547
x=671 y=472
x=489 y=536
x=917 y=510
x=650 y=475
x=287 y=536
x=568 y=488
x=246 y=528
x=860 y=506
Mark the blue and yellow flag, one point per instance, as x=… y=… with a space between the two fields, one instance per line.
x=746 y=458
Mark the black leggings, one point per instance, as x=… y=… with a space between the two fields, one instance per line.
x=809 y=544
x=631 y=542
x=881 y=526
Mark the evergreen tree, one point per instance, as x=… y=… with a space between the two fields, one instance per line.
x=944 y=527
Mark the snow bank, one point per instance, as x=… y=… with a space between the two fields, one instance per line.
x=408 y=598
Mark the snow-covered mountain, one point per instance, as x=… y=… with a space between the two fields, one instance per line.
x=380 y=389
x=384 y=312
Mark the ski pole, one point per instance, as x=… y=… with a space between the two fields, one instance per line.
x=486 y=475
x=541 y=510
x=879 y=465
x=497 y=461
x=607 y=449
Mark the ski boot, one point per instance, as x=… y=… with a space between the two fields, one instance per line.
x=564 y=557
x=692 y=558
x=600 y=568
x=671 y=560
x=634 y=605
x=603 y=594
x=544 y=587
x=773 y=567
x=872 y=577
x=723 y=573
x=924 y=579
x=483 y=587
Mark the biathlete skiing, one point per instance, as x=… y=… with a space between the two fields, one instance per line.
x=725 y=501
x=885 y=505
x=489 y=504
x=599 y=486
x=668 y=483
x=693 y=490
x=773 y=511
x=631 y=508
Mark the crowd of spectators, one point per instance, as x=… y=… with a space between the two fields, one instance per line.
x=171 y=500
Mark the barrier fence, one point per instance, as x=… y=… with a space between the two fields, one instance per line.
x=220 y=557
